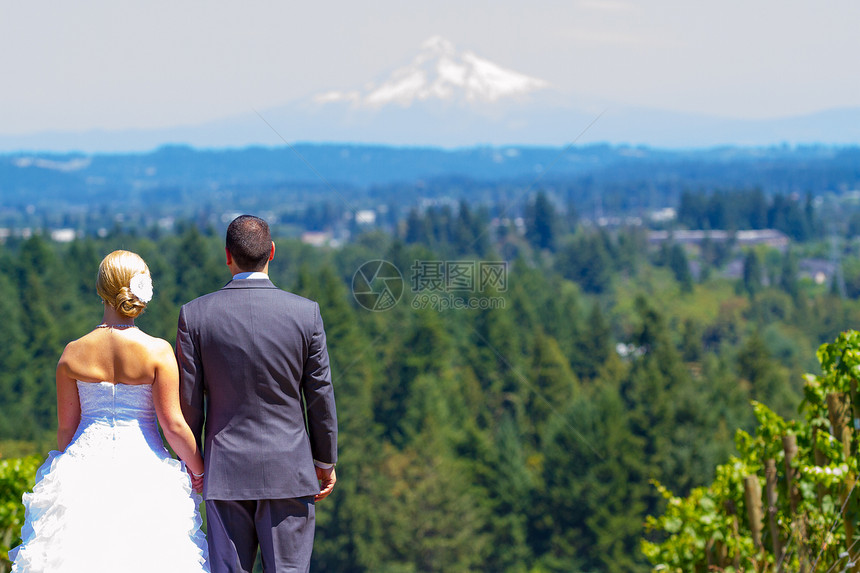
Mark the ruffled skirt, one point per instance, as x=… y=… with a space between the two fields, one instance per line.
x=111 y=508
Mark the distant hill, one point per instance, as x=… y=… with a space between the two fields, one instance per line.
x=188 y=174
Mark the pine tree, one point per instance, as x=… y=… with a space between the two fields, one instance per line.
x=668 y=408
x=681 y=267
x=541 y=222
x=198 y=260
x=766 y=380
x=788 y=274
x=752 y=273
x=594 y=345
x=588 y=514
x=552 y=384
x=587 y=261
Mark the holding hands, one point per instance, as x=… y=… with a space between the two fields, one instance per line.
x=196 y=480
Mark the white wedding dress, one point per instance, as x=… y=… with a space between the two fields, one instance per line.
x=114 y=501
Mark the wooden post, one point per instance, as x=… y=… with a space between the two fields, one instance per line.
x=855 y=411
x=820 y=460
x=789 y=446
x=798 y=530
x=849 y=518
x=839 y=413
x=772 y=499
x=853 y=512
x=752 y=496
x=732 y=510
x=840 y=420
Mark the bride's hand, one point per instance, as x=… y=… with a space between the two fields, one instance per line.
x=196 y=481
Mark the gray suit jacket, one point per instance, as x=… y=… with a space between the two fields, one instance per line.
x=249 y=355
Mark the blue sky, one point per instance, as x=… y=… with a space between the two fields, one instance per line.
x=115 y=65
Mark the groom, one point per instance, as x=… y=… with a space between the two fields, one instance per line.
x=254 y=367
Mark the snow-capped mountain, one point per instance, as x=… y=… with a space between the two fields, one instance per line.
x=439 y=72
x=443 y=97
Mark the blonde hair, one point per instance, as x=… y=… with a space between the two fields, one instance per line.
x=115 y=273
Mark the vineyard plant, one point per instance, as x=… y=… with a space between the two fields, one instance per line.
x=788 y=501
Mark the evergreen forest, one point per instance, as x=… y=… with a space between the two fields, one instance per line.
x=525 y=394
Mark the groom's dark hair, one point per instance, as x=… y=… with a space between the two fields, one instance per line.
x=249 y=242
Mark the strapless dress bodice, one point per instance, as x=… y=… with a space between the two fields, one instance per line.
x=121 y=416
x=116 y=403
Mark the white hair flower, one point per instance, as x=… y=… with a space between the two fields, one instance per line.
x=141 y=287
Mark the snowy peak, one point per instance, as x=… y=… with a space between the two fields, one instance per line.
x=436 y=47
x=439 y=72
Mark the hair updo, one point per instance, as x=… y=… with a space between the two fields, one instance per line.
x=113 y=284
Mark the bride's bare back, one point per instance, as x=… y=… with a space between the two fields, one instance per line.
x=127 y=356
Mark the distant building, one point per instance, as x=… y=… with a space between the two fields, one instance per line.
x=619 y=221
x=63 y=235
x=23 y=233
x=663 y=215
x=819 y=270
x=769 y=237
x=317 y=238
x=365 y=217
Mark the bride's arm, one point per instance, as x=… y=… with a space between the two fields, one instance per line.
x=68 y=403
x=165 y=394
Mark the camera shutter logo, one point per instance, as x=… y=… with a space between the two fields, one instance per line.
x=377 y=285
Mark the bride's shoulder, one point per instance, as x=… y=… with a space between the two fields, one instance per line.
x=153 y=343
x=160 y=353
x=147 y=350
x=76 y=353
x=158 y=348
x=75 y=347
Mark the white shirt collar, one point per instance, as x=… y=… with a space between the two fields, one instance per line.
x=250 y=275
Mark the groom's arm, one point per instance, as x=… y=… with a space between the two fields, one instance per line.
x=190 y=378
x=319 y=396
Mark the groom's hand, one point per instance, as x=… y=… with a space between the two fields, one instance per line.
x=327 y=479
x=196 y=482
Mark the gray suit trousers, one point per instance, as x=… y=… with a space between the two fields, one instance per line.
x=283 y=528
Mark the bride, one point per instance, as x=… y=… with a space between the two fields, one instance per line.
x=112 y=498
